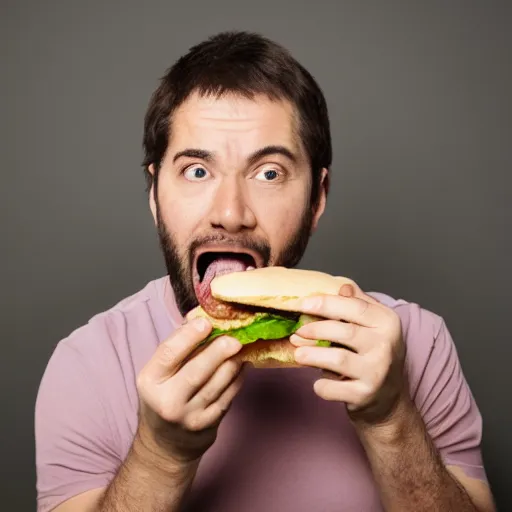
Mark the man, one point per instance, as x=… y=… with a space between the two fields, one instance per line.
x=238 y=154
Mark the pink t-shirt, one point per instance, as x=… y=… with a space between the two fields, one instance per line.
x=279 y=448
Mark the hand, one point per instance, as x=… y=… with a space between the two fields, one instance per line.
x=184 y=393
x=367 y=373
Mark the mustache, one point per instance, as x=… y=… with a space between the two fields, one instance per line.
x=240 y=241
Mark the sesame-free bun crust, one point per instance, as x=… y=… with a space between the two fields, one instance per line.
x=269 y=354
x=262 y=354
x=275 y=287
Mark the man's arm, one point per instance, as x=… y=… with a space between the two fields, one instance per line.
x=182 y=401
x=148 y=481
x=145 y=481
x=411 y=435
x=410 y=473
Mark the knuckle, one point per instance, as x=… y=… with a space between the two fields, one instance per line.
x=321 y=302
x=350 y=329
x=340 y=358
x=168 y=354
x=142 y=382
x=169 y=410
x=365 y=392
x=221 y=407
x=209 y=395
x=193 y=378
x=193 y=423
x=394 y=322
x=362 y=308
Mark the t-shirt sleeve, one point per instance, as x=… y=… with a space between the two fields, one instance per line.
x=74 y=446
x=449 y=409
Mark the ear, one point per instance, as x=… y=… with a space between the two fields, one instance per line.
x=322 y=199
x=152 y=202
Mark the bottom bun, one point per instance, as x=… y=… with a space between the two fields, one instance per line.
x=269 y=354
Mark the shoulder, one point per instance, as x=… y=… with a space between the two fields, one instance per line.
x=108 y=351
x=418 y=323
x=423 y=332
x=93 y=370
x=140 y=318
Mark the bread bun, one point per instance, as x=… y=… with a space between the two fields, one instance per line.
x=275 y=287
x=269 y=354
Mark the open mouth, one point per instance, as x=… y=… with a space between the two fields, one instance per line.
x=211 y=264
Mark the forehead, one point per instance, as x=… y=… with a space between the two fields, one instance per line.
x=230 y=120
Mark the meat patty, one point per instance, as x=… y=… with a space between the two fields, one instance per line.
x=210 y=266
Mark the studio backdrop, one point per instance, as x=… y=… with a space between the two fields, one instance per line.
x=420 y=206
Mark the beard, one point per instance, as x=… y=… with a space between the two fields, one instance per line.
x=179 y=267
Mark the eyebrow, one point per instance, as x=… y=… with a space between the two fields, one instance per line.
x=202 y=154
x=208 y=156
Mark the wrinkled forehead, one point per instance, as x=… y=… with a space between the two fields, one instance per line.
x=234 y=124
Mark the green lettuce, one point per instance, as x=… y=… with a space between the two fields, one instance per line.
x=267 y=327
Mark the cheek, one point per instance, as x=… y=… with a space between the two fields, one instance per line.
x=281 y=215
x=181 y=213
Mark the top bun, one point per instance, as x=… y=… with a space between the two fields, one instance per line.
x=275 y=287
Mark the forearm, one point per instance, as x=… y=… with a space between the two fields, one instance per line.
x=408 y=469
x=148 y=482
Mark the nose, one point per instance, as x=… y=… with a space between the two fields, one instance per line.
x=231 y=210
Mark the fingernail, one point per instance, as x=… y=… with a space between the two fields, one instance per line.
x=298 y=340
x=347 y=290
x=235 y=343
x=200 y=324
x=301 y=354
x=231 y=343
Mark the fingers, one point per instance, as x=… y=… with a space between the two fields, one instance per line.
x=213 y=389
x=337 y=360
x=347 y=290
x=352 y=392
x=348 y=309
x=213 y=414
x=198 y=371
x=347 y=334
x=354 y=290
x=173 y=351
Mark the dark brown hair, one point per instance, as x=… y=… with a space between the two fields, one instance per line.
x=246 y=64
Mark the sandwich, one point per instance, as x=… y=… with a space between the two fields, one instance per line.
x=259 y=307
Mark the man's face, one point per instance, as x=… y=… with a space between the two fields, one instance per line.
x=235 y=179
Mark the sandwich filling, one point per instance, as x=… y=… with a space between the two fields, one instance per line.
x=266 y=326
x=245 y=323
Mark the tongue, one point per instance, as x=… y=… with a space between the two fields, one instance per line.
x=217 y=267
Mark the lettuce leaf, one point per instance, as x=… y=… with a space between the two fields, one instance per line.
x=271 y=327
x=267 y=328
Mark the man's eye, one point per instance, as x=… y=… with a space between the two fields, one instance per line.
x=196 y=173
x=268 y=175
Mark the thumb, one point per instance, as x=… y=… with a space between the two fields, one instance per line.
x=346 y=290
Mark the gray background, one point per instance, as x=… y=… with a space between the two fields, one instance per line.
x=420 y=102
